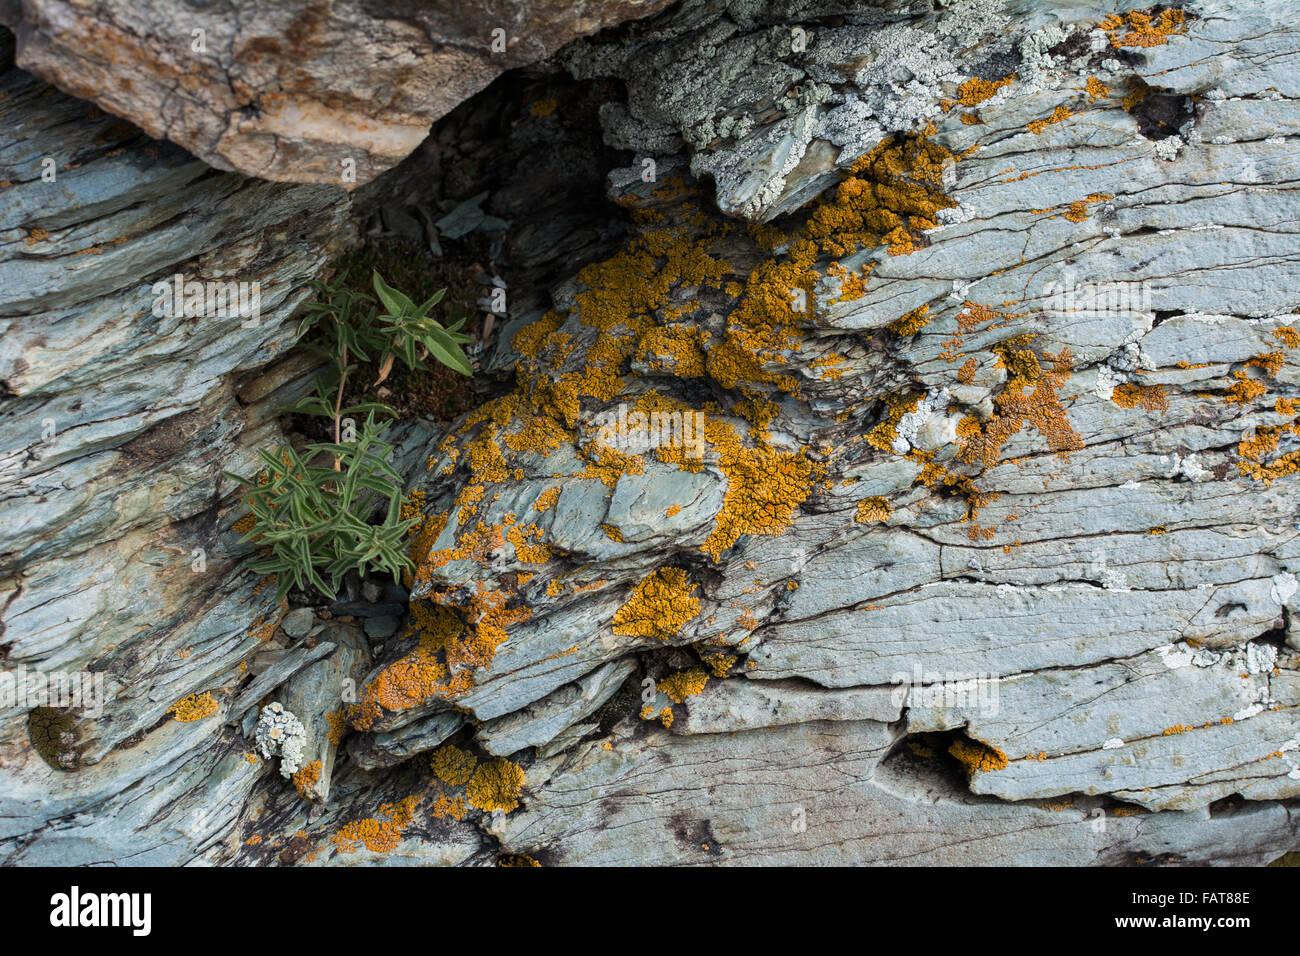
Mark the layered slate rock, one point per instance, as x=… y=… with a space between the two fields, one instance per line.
x=116 y=558
x=1032 y=430
x=298 y=91
x=959 y=524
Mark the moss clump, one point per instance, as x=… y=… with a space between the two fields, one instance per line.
x=53 y=733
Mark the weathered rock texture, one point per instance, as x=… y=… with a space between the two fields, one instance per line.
x=302 y=91
x=979 y=544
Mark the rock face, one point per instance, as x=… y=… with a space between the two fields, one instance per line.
x=302 y=91
x=909 y=477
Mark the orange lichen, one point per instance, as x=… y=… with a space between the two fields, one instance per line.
x=682 y=684
x=721 y=664
x=1246 y=389
x=1041 y=409
x=495 y=785
x=666 y=717
x=528 y=544
x=444 y=807
x=875 y=508
x=911 y=323
x=194 y=707
x=420 y=675
x=763 y=490
x=1096 y=89
x=305 y=780
x=1139 y=28
x=547 y=499
x=1270 y=362
x=338 y=726
x=1288 y=336
x=660 y=605
x=452 y=765
x=1149 y=397
x=1175 y=730
x=677 y=350
x=378 y=836
x=1059 y=115
x=975 y=90
x=977 y=757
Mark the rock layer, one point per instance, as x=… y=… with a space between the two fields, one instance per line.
x=306 y=92
x=958 y=526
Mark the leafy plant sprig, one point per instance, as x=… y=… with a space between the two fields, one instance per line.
x=311 y=521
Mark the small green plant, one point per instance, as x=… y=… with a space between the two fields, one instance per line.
x=311 y=520
x=350 y=325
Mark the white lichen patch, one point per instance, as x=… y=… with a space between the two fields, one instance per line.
x=911 y=423
x=1284 y=587
x=280 y=733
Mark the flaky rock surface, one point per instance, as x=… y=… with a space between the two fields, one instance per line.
x=958 y=525
x=299 y=91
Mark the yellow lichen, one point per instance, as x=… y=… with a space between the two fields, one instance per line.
x=305 y=780
x=1143 y=28
x=660 y=605
x=682 y=684
x=911 y=323
x=194 y=707
x=452 y=765
x=495 y=785
x=977 y=757
x=875 y=508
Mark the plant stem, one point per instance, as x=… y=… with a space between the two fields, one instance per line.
x=338 y=405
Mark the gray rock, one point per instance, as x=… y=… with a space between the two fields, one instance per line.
x=298 y=622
